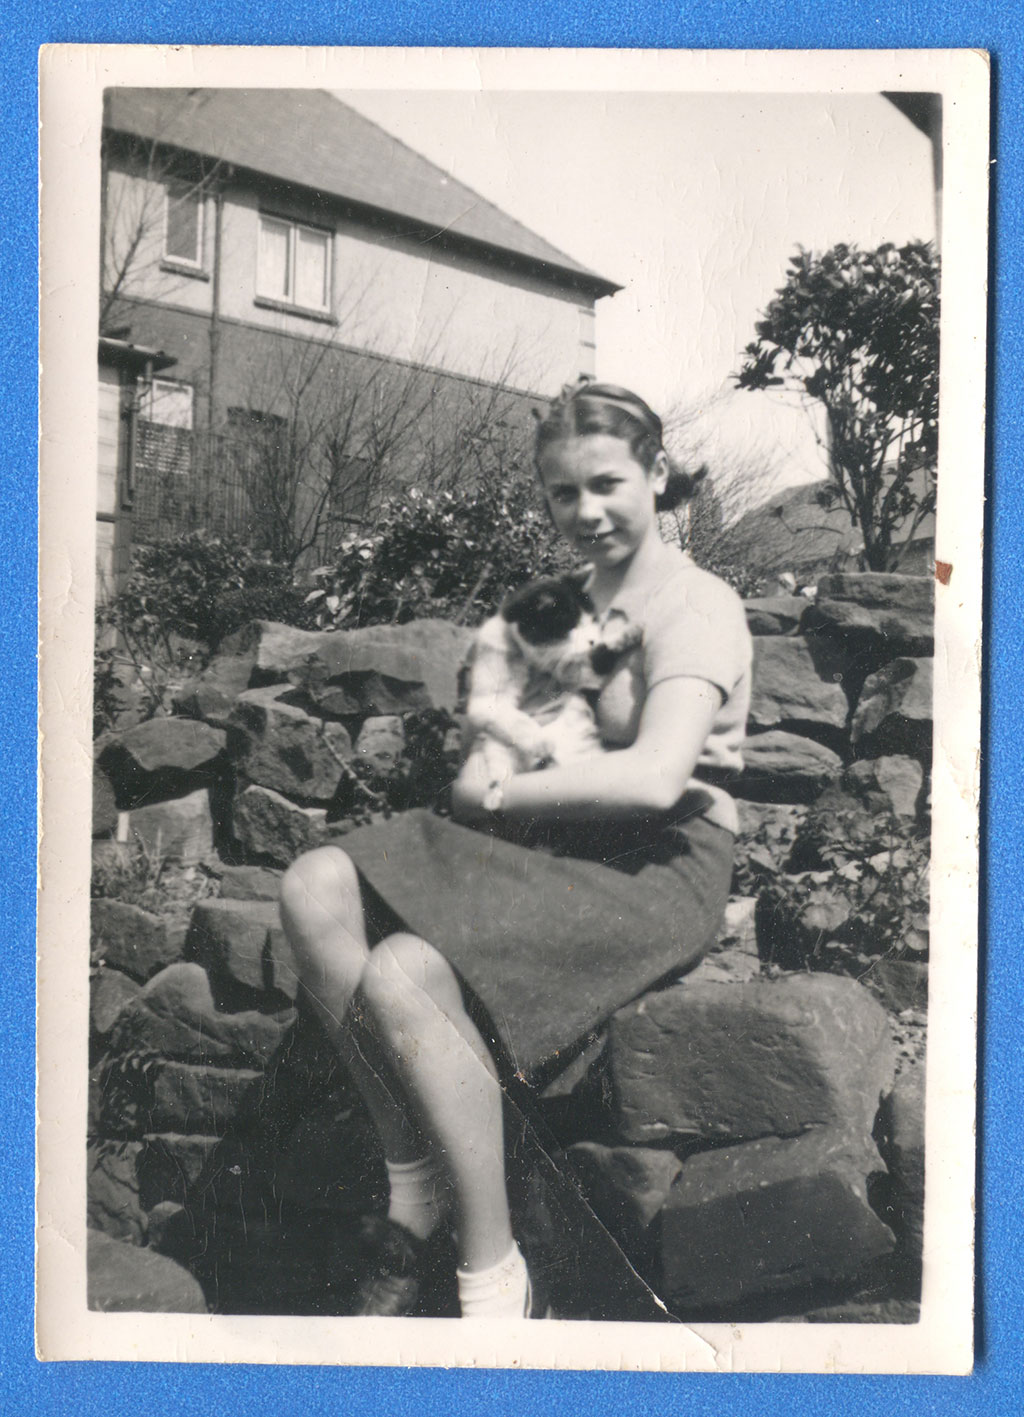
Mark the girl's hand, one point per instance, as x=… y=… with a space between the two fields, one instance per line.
x=469 y=790
x=647 y=777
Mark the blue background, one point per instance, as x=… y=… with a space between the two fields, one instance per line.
x=997 y=1386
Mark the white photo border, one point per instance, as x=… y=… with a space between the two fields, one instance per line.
x=73 y=78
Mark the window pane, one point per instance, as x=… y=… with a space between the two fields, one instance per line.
x=183 y=225
x=311 y=269
x=272 y=272
x=170 y=404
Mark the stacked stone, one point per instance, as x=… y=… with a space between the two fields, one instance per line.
x=733 y=1155
x=737 y=1159
x=192 y=1017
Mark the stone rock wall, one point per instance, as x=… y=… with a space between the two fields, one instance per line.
x=751 y=1138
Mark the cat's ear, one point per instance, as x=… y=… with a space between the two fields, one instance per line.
x=511 y=606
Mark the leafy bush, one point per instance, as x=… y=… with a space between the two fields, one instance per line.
x=199 y=587
x=183 y=595
x=763 y=853
x=106 y=691
x=452 y=555
x=139 y=875
x=857 y=333
x=858 y=890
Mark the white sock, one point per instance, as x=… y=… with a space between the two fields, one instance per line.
x=419 y=1195
x=501 y=1292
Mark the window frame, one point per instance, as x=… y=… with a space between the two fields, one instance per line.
x=186 y=263
x=275 y=301
x=178 y=385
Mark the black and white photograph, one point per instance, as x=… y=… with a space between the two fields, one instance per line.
x=510 y=706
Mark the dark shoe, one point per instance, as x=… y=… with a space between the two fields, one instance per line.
x=391 y=1287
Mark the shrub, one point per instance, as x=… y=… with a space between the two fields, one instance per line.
x=858 y=891
x=198 y=587
x=452 y=555
x=144 y=877
x=183 y=595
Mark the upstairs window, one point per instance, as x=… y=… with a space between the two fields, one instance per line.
x=183 y=225
x=294 y=265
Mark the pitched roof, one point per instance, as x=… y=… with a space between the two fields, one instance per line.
x=310 y=138
x=794 y=530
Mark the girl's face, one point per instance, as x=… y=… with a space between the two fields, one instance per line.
x=601 y=499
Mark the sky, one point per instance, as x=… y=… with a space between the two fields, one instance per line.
x=694 y=204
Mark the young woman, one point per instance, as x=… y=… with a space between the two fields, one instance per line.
x=531 y=923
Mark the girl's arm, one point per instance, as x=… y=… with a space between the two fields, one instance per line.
x=649 y=776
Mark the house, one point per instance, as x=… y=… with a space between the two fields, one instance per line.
x=800 y=532
x=341 y=314
x=123 y=369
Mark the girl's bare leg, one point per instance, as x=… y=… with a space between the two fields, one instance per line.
x=446 y=1069
x=322 y=914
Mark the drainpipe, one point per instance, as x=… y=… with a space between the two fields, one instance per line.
x=218 y=242
x=215 y=330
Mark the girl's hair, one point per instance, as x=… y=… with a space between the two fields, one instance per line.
x=587 y=407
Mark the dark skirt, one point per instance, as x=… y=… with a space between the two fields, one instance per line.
x=552 y=932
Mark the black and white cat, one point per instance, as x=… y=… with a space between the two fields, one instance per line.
x=535 y=669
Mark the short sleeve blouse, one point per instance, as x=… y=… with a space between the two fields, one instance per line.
x=694 y=626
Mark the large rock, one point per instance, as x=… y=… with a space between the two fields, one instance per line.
x=130 y=939
x=890 y=784
x=175 y=1016
x=110 y=992
x=740 y=1061
x=250 y=883
x=747 y=1223
x=211 y=694
x=180 y=830
x=240 y=942
x=879 y=590
x=626 y=1185
x=163 y=757
x=286 y=749
x=171 y=1163
x=269 y=826
x=112 y=1190
x=382 y=669
x=894 y=712
x=124 y=1279
x=198 y=1099
x=783 y=767
x=774 y=614
x=875 y=616
x=790 y=693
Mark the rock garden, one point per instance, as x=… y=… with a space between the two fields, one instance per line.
x=746 y=1143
